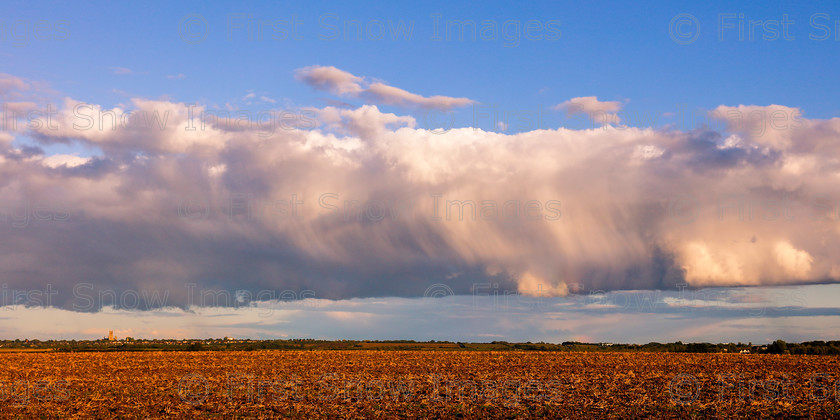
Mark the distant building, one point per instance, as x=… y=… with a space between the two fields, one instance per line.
x=111 y=336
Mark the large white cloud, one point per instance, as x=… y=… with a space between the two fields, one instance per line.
x=366 y=204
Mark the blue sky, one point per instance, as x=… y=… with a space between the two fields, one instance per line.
x=615 y=51
x=575 y=109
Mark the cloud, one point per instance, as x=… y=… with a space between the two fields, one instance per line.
x=69 y=161
x=366 y=122
x=342 y=83
x=331 y=79
x=773 y=125
x=530 y=285
x=19 y=107
x=150 y=126
x=120 y=70
x=176 y=76
x=389 y=95
x=10 y=83
x=363 y=203
x=603 y=112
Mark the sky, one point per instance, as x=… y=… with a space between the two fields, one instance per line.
x=476 y=171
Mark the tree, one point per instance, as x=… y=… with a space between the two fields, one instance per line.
x=778 y=347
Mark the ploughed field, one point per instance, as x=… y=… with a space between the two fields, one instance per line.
x=426 y=384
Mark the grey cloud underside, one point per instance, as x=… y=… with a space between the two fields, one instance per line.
x=106 y=257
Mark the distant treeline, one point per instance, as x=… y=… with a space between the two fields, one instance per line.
x=227 y=344
x=776 y=347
